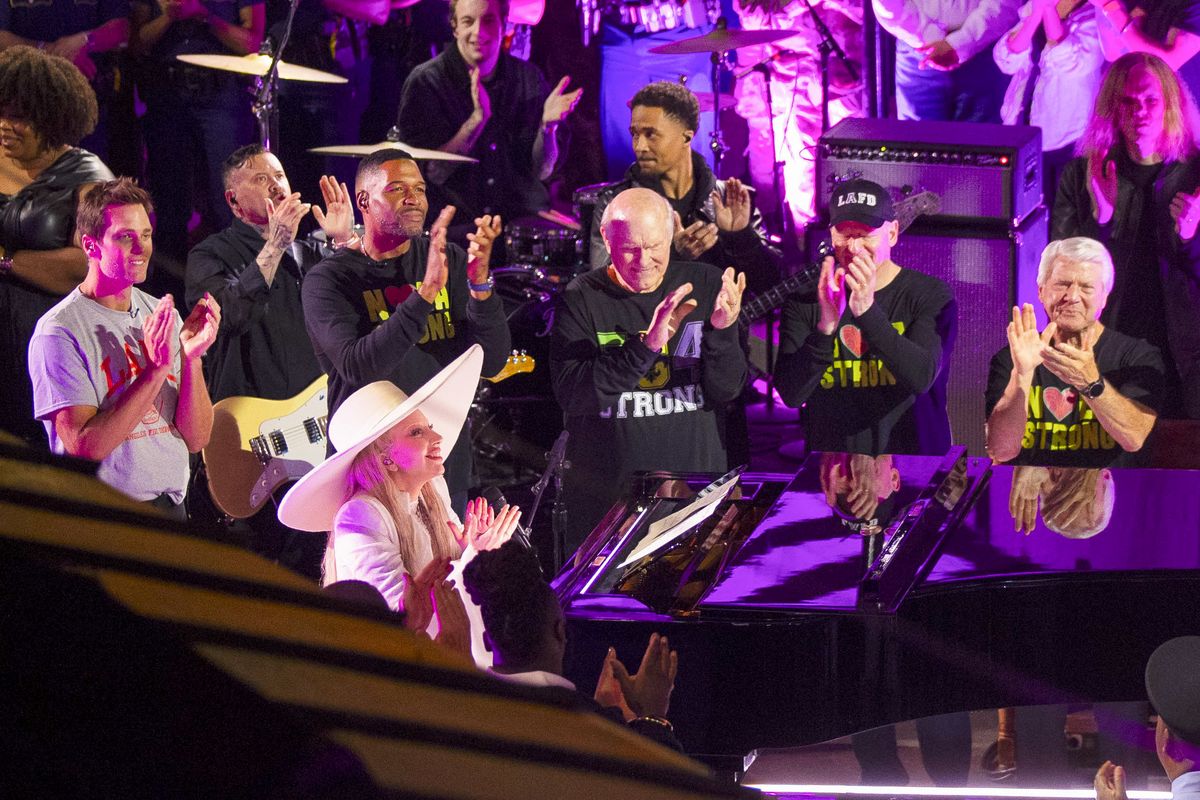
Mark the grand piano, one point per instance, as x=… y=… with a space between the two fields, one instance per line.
x=861 y=592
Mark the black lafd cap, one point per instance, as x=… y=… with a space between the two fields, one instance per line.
x=1173 y=685
x=862 y=201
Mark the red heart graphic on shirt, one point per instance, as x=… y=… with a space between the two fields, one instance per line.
x=397 y=294
x=1061 y=402
x=853 y=339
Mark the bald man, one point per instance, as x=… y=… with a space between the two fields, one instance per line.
x=642 y=351
x=400 y=305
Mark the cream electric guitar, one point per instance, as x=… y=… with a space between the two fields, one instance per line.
x=258 y=445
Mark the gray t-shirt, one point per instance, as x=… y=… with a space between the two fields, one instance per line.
x=83 y=354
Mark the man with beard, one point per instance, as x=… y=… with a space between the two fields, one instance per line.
x=1077 y=394
x=404 y=305
x=870 y=358
x=254 y=268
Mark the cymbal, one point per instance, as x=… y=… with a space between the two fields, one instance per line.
x=418 y=153
x=706 y=101
x=720 y=40
x=257 y=65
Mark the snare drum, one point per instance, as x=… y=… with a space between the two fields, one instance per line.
x=541 y=243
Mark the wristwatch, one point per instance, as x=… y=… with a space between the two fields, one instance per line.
x=1093 y=390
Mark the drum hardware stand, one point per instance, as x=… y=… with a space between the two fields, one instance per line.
x=266 y=88
x=828 y=45
x=556 y=462
x=716 y=139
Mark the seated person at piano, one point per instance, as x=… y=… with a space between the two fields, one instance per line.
x=383 y=497
x=870 y=357
x=527 y=635
x=1076 y=394
x=716 y=222
x=641 y=354
x=1075 y=503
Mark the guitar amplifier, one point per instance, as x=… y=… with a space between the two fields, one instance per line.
x=982 y=172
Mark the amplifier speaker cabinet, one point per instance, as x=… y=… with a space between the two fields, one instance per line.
x=989 y=271
x=983 y=173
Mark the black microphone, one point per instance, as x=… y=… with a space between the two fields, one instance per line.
x=496 y=499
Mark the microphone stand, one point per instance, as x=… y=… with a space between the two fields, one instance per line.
x=266 y=87
x=555 y=464
x=828 y=45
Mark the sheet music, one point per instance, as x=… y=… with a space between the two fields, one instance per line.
x=672 y=526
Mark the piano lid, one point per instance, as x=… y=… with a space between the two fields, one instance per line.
x=1036 y=520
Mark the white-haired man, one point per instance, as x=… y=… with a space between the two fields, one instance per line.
x=642 y=352
x=1076 y=393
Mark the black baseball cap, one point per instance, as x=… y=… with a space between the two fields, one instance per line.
x=1173 y=685
x=862 y=201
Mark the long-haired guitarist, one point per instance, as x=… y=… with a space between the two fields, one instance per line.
x=870 y=357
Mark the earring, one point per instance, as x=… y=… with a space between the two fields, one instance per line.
x=387 y=462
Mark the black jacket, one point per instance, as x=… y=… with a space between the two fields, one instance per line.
x=1178 y=261
x=262 y=348
x=747 y=250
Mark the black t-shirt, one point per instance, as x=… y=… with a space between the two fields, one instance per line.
x=436 y=101
x=878 y=384
x=1061 y=430
x=1135 y=304
x=628 y=408
x=47 y=20
x=368 y=323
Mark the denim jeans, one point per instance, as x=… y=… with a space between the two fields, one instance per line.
x=971 y=93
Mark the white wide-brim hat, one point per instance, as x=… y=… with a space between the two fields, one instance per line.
x=363 y=417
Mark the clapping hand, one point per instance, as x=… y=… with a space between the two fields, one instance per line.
x=480 y=99
x=831 y=295
x=200 y=328
x=436 y=269
x=695 y=239
x=484 y=529
x=1023 y=497
x=1074 y=366
x=454 y=628
x=1110 y=782
x=337 y=220
x=560 y=103
x=648 y=693
x=479 y=250
x=733 y=211
x=283 y=220
x=861 y=276
x=608 y=689
x=668 y=315
x=728 y=304
x=1025 y=344
x=158 y=332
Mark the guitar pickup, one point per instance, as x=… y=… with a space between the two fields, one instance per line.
x=313 y=429
x=278 y=442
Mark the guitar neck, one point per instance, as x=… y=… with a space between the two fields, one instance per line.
x=775 y=296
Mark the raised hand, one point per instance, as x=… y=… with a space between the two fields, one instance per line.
x=697 y=238
x=861 y=276
x=1073 y=499
x=337 y=220
x=1102 y=186
x=939 y=55
x=608 y=689
x=479 y=250
x=200 y=328
x=1074 y=366
x=479 y=98
x=436 y=269
x=283 y=220
x=485 y=530
x=733 y=211
x=667 y=317
x=831 y=295
x=417 y=598
x=863 y=497
x=648 y=693
x=728 y=304
x=560 y=103
x=159 y=331
x=1110 y=782
x=1025 y=344
x=1185 y=210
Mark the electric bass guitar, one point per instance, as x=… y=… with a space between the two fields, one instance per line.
x=258 y=445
